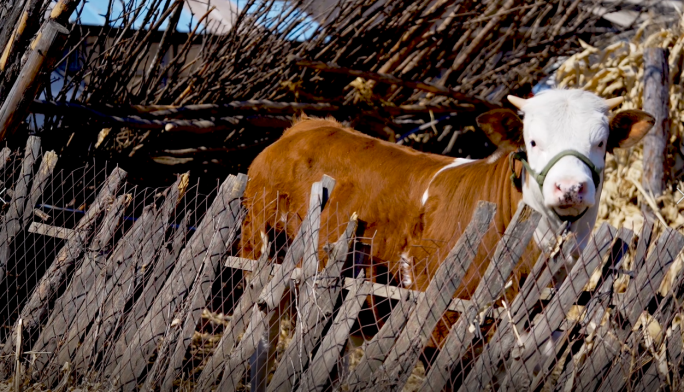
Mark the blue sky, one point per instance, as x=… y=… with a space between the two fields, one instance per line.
x=92 y=14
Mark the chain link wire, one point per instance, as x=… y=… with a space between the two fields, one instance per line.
x=125 y=287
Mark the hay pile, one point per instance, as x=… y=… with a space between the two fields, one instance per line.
x=617 y=70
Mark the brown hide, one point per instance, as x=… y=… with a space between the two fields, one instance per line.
x=384 y=183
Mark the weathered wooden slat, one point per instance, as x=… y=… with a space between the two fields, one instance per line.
x=430 y=309
x=596 y=308
x=100 y=310
x=272 y=294
x=591 y=319
x=541 y=276
x=216 y=364
x=647 y=282
x=143 y=260
x=645 y=238
x=201 y=290
x=638 y=294
x=432 y=304
x=79 y=328
x=50 y=231
x=381 y=344
x=66 y=307
x=36 y=309
x=238 y=322
x=14 y=218
x=652 y=379
x=554 y=314
x=317 y=376
x=665 y=313
x=154 y=284
x=286 y=376
x=674 y=355
x=327 y=287
x=507 y=254
x=613 y=372
x=159 y=368
x=134 y=360
x=236 y=365
x=593 y=311
x=275 y=287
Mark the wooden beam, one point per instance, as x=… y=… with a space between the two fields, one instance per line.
x=50 y=231
x=656 y=101
x=389 y=79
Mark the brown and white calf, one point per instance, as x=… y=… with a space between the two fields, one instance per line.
x=416 y=205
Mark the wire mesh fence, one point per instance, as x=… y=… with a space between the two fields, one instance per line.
x=112 y=286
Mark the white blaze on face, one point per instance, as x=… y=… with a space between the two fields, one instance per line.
x=559 y=120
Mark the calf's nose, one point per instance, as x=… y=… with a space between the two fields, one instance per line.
x=569 y=192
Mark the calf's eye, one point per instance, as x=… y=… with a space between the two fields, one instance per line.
x=533 y=143
x=601 y=144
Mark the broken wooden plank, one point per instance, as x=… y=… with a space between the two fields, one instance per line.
x=37 y=308
x=380 y=345
x=88 y=309
x=439 y=294
x=327 y=288
x=236 y=365
x=647 y=282
x=161 y=363
x=51 y=231
x=144 y=342
x=508 y=252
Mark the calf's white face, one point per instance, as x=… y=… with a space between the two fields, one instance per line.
x=557 y=121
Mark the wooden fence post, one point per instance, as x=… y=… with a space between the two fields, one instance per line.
x=26 y=85
x=656 y=102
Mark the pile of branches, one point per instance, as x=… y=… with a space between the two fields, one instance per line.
x=383 y=66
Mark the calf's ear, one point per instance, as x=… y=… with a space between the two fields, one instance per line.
x=503 y=127
x=628 y=127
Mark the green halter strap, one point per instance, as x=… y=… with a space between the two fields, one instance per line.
x=541 y=176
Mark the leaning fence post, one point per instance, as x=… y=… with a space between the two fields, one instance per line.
x=26 y=85
x=656 y=102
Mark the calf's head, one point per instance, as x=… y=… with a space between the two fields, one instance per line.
x=562 y=141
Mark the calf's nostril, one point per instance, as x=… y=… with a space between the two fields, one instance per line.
x=558 y=187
